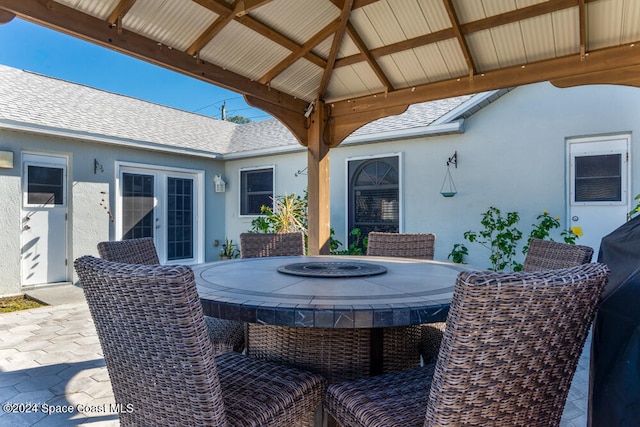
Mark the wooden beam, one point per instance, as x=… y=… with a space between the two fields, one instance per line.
x=294 y=56
x=464 y=47
x=222 y=8
x=318 y=185
x=120 y=10
x=208 y=35
x=277 y=37
x=294 y=121
x=467 y=28
x=366 y=55
x=243 y=7
x=582 y=19
x=567 y=66
x=6 y=17
x=627 y=76
x=70 y=21
x=343 y=126
x=335 y=47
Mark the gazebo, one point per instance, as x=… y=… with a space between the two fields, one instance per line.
x=324 y=68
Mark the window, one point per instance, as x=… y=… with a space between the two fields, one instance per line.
x=598 y=178
x=256 y=190
x=45 y=185
x=374 y=196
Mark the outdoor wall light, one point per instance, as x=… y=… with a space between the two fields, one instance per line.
x=220 y=185
x=448 y=188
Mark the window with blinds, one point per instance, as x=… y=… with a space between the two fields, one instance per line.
x=374 y=196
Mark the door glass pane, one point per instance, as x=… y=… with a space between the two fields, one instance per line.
x=179 y=218
x=45 y=185
x=138 y=200
x=598 y=178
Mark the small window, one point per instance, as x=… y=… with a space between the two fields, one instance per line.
x=598 y=178
x=45 y=185
x=256 y=190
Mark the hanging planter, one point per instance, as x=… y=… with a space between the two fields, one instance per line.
x=448 y=188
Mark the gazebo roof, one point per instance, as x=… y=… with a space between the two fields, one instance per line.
x=365 y=59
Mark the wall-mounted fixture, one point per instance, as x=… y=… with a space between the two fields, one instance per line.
x=448 y=188
x=97 y=167
x=220 y=185
x=300 y=172
x=6 y=159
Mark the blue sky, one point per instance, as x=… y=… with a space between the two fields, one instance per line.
x=34 y=48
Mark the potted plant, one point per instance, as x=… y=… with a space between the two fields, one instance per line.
x=229 y=250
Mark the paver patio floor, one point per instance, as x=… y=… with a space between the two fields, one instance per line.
x=52 y=356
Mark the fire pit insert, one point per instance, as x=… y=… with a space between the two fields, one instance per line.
x=332 y=269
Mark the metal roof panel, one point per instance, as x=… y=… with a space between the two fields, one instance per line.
x=252 y=58
x=176 y=24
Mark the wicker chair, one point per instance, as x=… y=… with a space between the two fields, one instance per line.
x=225 y=335
x=161 y=363
x=257 y=245
x=541 y=255
x=418 y=246
x=510 y=350
x=548 y=255
x=405 y=245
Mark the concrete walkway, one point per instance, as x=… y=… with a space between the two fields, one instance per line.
x=50 y=360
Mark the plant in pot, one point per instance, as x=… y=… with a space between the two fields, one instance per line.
x=229 y=250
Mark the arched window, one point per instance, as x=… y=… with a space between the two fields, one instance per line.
x=374 y=196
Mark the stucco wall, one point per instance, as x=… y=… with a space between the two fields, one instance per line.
x=512 y=155
x=89 y=222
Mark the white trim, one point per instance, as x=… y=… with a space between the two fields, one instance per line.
x=626 y=167
x=250 y=168
x=442 y=129
x=416 y=132
x=103 y=139
x=158 y=171
x=472 y=102
x=401 y=196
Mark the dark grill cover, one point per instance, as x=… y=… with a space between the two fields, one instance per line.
x=614 y=384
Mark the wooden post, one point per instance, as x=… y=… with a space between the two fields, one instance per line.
x=319 y=215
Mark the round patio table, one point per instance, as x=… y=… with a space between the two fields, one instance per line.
x=345 y=317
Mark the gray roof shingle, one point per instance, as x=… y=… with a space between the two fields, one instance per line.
x=41 y=101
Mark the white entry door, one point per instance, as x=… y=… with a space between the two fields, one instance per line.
x=44 y=220
x=598 y=186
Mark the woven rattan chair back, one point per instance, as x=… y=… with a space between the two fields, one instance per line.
x=130 y=251
x=226 y=335
x=404 y=245
x=548 y=255
x=256 y=245
x=160 y=361
x=511 y=346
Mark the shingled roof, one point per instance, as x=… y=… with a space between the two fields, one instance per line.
x=37 y=103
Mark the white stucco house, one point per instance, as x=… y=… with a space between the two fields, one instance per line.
x=80 y=165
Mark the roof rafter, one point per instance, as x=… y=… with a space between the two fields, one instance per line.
x=335 y=47
x=120 y=10
x=366 y=55
x=599 y=62
x=260 y=28
x=297 y=54
x=467 y=28
x=457 y=30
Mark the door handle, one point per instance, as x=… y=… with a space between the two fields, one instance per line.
x=574 y=218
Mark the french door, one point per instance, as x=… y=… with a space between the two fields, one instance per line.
x=165 y=205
